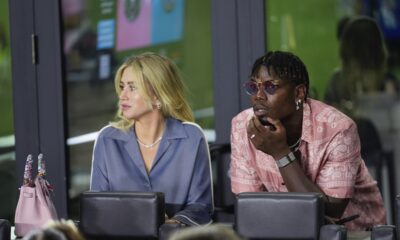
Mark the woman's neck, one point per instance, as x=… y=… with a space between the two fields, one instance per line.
x=150 y=130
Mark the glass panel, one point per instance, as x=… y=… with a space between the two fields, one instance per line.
x=311 y=30
x=309 y=33
x=98 y=35
x=8 y=192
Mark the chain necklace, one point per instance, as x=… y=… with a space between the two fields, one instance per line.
x=149 y=145
x=296 y=145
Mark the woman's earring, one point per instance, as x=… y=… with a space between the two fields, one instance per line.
x=298 y=104
x=158 y=105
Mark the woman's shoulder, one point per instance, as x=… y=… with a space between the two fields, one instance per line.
x=110 y=131
x=193 y=128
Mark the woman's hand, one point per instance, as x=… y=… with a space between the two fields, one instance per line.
x=270 y=140
x=170 y=220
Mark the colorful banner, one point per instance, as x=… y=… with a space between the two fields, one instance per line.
x=142 y=23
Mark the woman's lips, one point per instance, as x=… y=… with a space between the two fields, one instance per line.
x=124 y=107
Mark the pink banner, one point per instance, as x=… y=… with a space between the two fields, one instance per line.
x=133 y=24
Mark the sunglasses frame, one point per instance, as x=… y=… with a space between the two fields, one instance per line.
x=268 y=87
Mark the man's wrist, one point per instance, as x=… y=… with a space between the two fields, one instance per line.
x=286 y=160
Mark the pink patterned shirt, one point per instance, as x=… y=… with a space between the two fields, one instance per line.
x=330 y=150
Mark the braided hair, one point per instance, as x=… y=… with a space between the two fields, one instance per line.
x=284 y=65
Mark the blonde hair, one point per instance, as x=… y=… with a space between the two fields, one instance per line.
x=160 y=76
x=206 y=232
x=364 y=56
x=57 y=230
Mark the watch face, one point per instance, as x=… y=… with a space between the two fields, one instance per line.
x=132 y=9
x=168 y=5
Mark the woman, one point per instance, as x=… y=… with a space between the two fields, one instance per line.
x=155 y=146
x=288 y=142
x=363 y=57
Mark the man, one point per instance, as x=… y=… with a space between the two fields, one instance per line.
x=288 y=142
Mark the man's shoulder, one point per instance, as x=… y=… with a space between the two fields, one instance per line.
x=244 y=115
x=322 y=113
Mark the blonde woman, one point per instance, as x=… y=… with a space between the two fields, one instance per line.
x=155 y=146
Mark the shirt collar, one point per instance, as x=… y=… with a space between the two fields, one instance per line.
x=174 y=129
x=307 y=130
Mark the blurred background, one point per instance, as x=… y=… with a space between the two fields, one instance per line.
x=98 y=35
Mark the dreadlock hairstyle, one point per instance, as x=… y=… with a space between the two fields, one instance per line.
x=284 y=65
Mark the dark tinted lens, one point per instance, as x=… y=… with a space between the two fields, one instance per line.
x=269 y=87
x=250 y=87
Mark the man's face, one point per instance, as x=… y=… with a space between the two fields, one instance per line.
x=274 y=97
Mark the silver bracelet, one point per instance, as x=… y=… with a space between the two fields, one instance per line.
x=286 y=160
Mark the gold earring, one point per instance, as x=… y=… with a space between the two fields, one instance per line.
x=158 y=105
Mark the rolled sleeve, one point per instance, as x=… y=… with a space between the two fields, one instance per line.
x=339 y=172
x=243 y=174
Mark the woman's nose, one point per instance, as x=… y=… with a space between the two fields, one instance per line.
x=122 y=94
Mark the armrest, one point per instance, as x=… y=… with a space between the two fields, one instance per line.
x=122 y=214
x=383 y=232
x=333 y=232
x=270 y=215
x=5 y=229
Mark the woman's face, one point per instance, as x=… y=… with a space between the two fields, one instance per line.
x=132 y=104
x=277 y=104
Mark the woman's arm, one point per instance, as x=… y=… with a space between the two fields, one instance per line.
x=199 y=207
x=98 y=178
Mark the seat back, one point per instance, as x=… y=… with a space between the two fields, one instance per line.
x=5 y=229
x=224 y=199
x=122 y=214
x=267 y=215
x=397 y=214
x=383 y=232
x=375 y=157
x=371 y=148
x=333 y=232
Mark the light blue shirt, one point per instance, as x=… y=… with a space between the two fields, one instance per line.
x=181 y=169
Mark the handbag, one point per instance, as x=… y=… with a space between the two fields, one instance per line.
x=35 y=206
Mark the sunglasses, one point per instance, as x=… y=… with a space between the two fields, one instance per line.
x=252 y=87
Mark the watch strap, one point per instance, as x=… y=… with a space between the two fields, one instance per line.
x=286 y=160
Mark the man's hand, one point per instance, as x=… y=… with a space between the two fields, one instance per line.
x=267 y=139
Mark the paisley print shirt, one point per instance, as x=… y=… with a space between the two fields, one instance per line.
x=330 y=150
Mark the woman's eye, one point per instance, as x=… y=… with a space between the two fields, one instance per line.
x=132 y=87
x=121 y=87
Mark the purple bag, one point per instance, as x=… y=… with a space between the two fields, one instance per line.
x=35 y=206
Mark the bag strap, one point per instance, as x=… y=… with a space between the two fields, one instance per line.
x=41 y=166
x=28 y=179
x=28 y=176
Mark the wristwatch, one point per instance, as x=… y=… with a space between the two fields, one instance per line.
x=285 y=160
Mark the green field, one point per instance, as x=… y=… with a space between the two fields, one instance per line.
x=308 y=29
x=6 y=117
